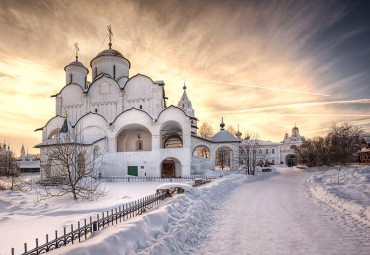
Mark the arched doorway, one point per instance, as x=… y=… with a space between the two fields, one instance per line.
x=134 y=137
x=224 y=158
x=170 y=167
x=291 y=160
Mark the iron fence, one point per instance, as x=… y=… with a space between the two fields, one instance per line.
x=108 y=218
x=155 y=179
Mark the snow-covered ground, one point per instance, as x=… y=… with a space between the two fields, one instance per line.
x=21 y=220
x=288 y=211
x=270 y=213
x=347 y=190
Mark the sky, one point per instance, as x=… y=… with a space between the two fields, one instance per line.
x=265 y=65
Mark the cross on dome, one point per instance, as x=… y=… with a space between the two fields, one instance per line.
x=110 y=36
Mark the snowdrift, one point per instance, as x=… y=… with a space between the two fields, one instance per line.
x=164 y=230
x=351 y=196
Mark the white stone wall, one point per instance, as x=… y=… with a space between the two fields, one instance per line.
x=104 y=64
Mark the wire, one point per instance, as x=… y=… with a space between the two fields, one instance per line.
x=102 y=44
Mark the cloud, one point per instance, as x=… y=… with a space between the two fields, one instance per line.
x=275 y=61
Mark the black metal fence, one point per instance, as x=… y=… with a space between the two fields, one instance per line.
x=82 y=231
x=155 y=179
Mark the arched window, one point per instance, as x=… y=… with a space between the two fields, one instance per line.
x=139 y=145
x=70 y=78
x=114 y=72
x=96 y=72
x=141 y=107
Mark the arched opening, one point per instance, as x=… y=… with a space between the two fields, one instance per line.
x=81 y=165
x=171 y=135
x=54 y=133
x=170 y=167
x=293 y=147
x=291 y=160
x=134 y=137
x=202 y=152
x=224 y=158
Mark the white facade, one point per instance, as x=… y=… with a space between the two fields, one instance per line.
x=139 y=131
x=287 y=155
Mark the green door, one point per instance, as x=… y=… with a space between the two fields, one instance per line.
x=132 y=170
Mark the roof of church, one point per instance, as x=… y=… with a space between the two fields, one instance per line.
x=224 y=136
x=110 y=52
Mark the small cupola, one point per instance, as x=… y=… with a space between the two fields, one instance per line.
x=76 y=72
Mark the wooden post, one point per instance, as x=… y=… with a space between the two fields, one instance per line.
x=97 y=216
x=12 y=251
x=64 y=236
x=37 y=242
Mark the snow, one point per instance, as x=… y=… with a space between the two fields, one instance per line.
x=269 y=213
x=22 y=220
x=350 y=196
x=186 y=187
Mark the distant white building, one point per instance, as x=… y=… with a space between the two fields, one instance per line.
x=127 y=119
x=287 y=154
x=27 y=163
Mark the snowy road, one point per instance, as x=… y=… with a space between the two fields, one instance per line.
x=275 y=216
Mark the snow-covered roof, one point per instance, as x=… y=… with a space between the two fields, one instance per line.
x=28 y=164
x=222 y=136
x=67 y=139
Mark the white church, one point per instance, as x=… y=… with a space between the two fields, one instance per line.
x=127 y=120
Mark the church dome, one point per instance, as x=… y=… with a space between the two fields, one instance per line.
x=76 y=63
x=110 y=52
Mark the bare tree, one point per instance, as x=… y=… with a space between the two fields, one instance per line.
x=345 y=141
x=223 y=157
x=339 y=146
x=7 y=162
x=251 y=153
x=206 y=130
x=72 y=168
x=231 y=129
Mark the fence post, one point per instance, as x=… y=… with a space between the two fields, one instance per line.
x=103 y=218
x=37 y=243
x=120 y=214
x=116 y=215
x=108 y=217
x=91 y=230
x=25 y=247
x=79 y=232
x=85 y=228
x=12 y=251
x=64 y=236
x=72 y=233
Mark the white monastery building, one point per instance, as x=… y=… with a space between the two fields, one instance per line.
x=126 y=119
x=287 y=147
